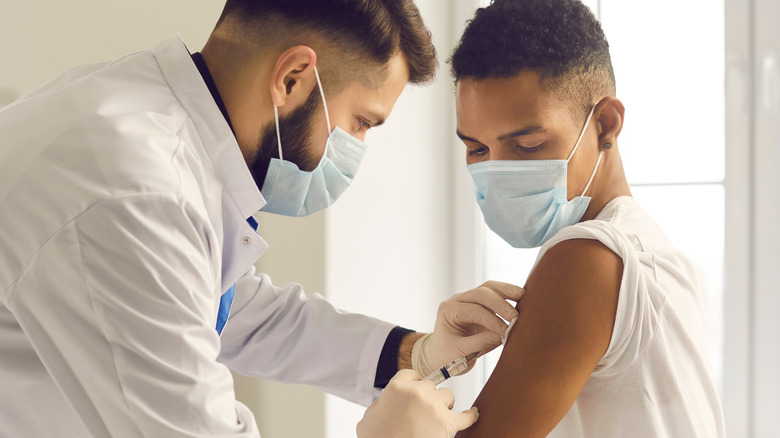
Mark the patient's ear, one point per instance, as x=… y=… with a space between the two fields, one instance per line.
x=609 y=113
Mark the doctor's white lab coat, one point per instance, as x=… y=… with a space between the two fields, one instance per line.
x=123 y=206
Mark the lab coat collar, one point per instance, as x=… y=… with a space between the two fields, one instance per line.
x=219 y=141
x=203 y=69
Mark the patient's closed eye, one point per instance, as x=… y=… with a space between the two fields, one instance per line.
x=478 y=151
x=536 y=148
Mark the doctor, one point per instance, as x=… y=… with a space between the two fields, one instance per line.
x=127 y=191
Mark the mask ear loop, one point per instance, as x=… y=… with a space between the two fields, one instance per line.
x=278 y=134
x=582 y=133
x=324 y=105
x=322 y=93
x=587 y=186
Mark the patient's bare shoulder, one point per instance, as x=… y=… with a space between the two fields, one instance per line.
x=564 y=329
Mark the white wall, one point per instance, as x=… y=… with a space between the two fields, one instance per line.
x=41 y=38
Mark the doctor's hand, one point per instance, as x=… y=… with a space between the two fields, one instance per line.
x=466 y=323
x=413 y=408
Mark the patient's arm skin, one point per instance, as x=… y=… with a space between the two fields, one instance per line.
x=564 y=329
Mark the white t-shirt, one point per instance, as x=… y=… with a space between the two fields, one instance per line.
x=653 y=381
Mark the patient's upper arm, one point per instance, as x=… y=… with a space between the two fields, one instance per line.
x=564 y=329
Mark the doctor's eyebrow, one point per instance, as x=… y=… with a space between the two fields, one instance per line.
x=376 y=119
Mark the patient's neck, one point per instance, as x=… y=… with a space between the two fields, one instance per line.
x=609 y=183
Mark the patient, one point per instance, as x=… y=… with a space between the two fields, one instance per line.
x=611 y=338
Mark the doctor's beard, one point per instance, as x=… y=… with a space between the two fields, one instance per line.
x=295 y=129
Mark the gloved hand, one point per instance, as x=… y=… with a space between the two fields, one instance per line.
x=413 y=408
x=467 y=323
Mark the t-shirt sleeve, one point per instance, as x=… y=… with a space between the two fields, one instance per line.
x=638 y=309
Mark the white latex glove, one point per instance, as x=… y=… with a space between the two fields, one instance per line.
x=467 y=323
x=413 y=408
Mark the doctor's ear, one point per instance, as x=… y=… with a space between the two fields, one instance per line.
x=610 y=112
x=292 y=79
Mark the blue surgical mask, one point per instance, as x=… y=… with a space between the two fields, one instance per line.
x=525 y=201
x=290 y=191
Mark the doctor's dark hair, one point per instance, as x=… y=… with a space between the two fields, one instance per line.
x=561 y=40
x=360 y=30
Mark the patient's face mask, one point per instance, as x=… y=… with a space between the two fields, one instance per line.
x=525 y=201
x=290 y=191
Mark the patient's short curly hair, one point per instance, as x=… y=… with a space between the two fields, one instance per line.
x=559 y=39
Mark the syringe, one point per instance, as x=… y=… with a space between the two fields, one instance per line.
x=454 y=368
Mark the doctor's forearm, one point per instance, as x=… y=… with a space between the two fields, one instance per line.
x=405 y=350
x=396 y=355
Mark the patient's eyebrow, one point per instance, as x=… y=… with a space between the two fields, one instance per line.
x=466 y=138
x=534 y=129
